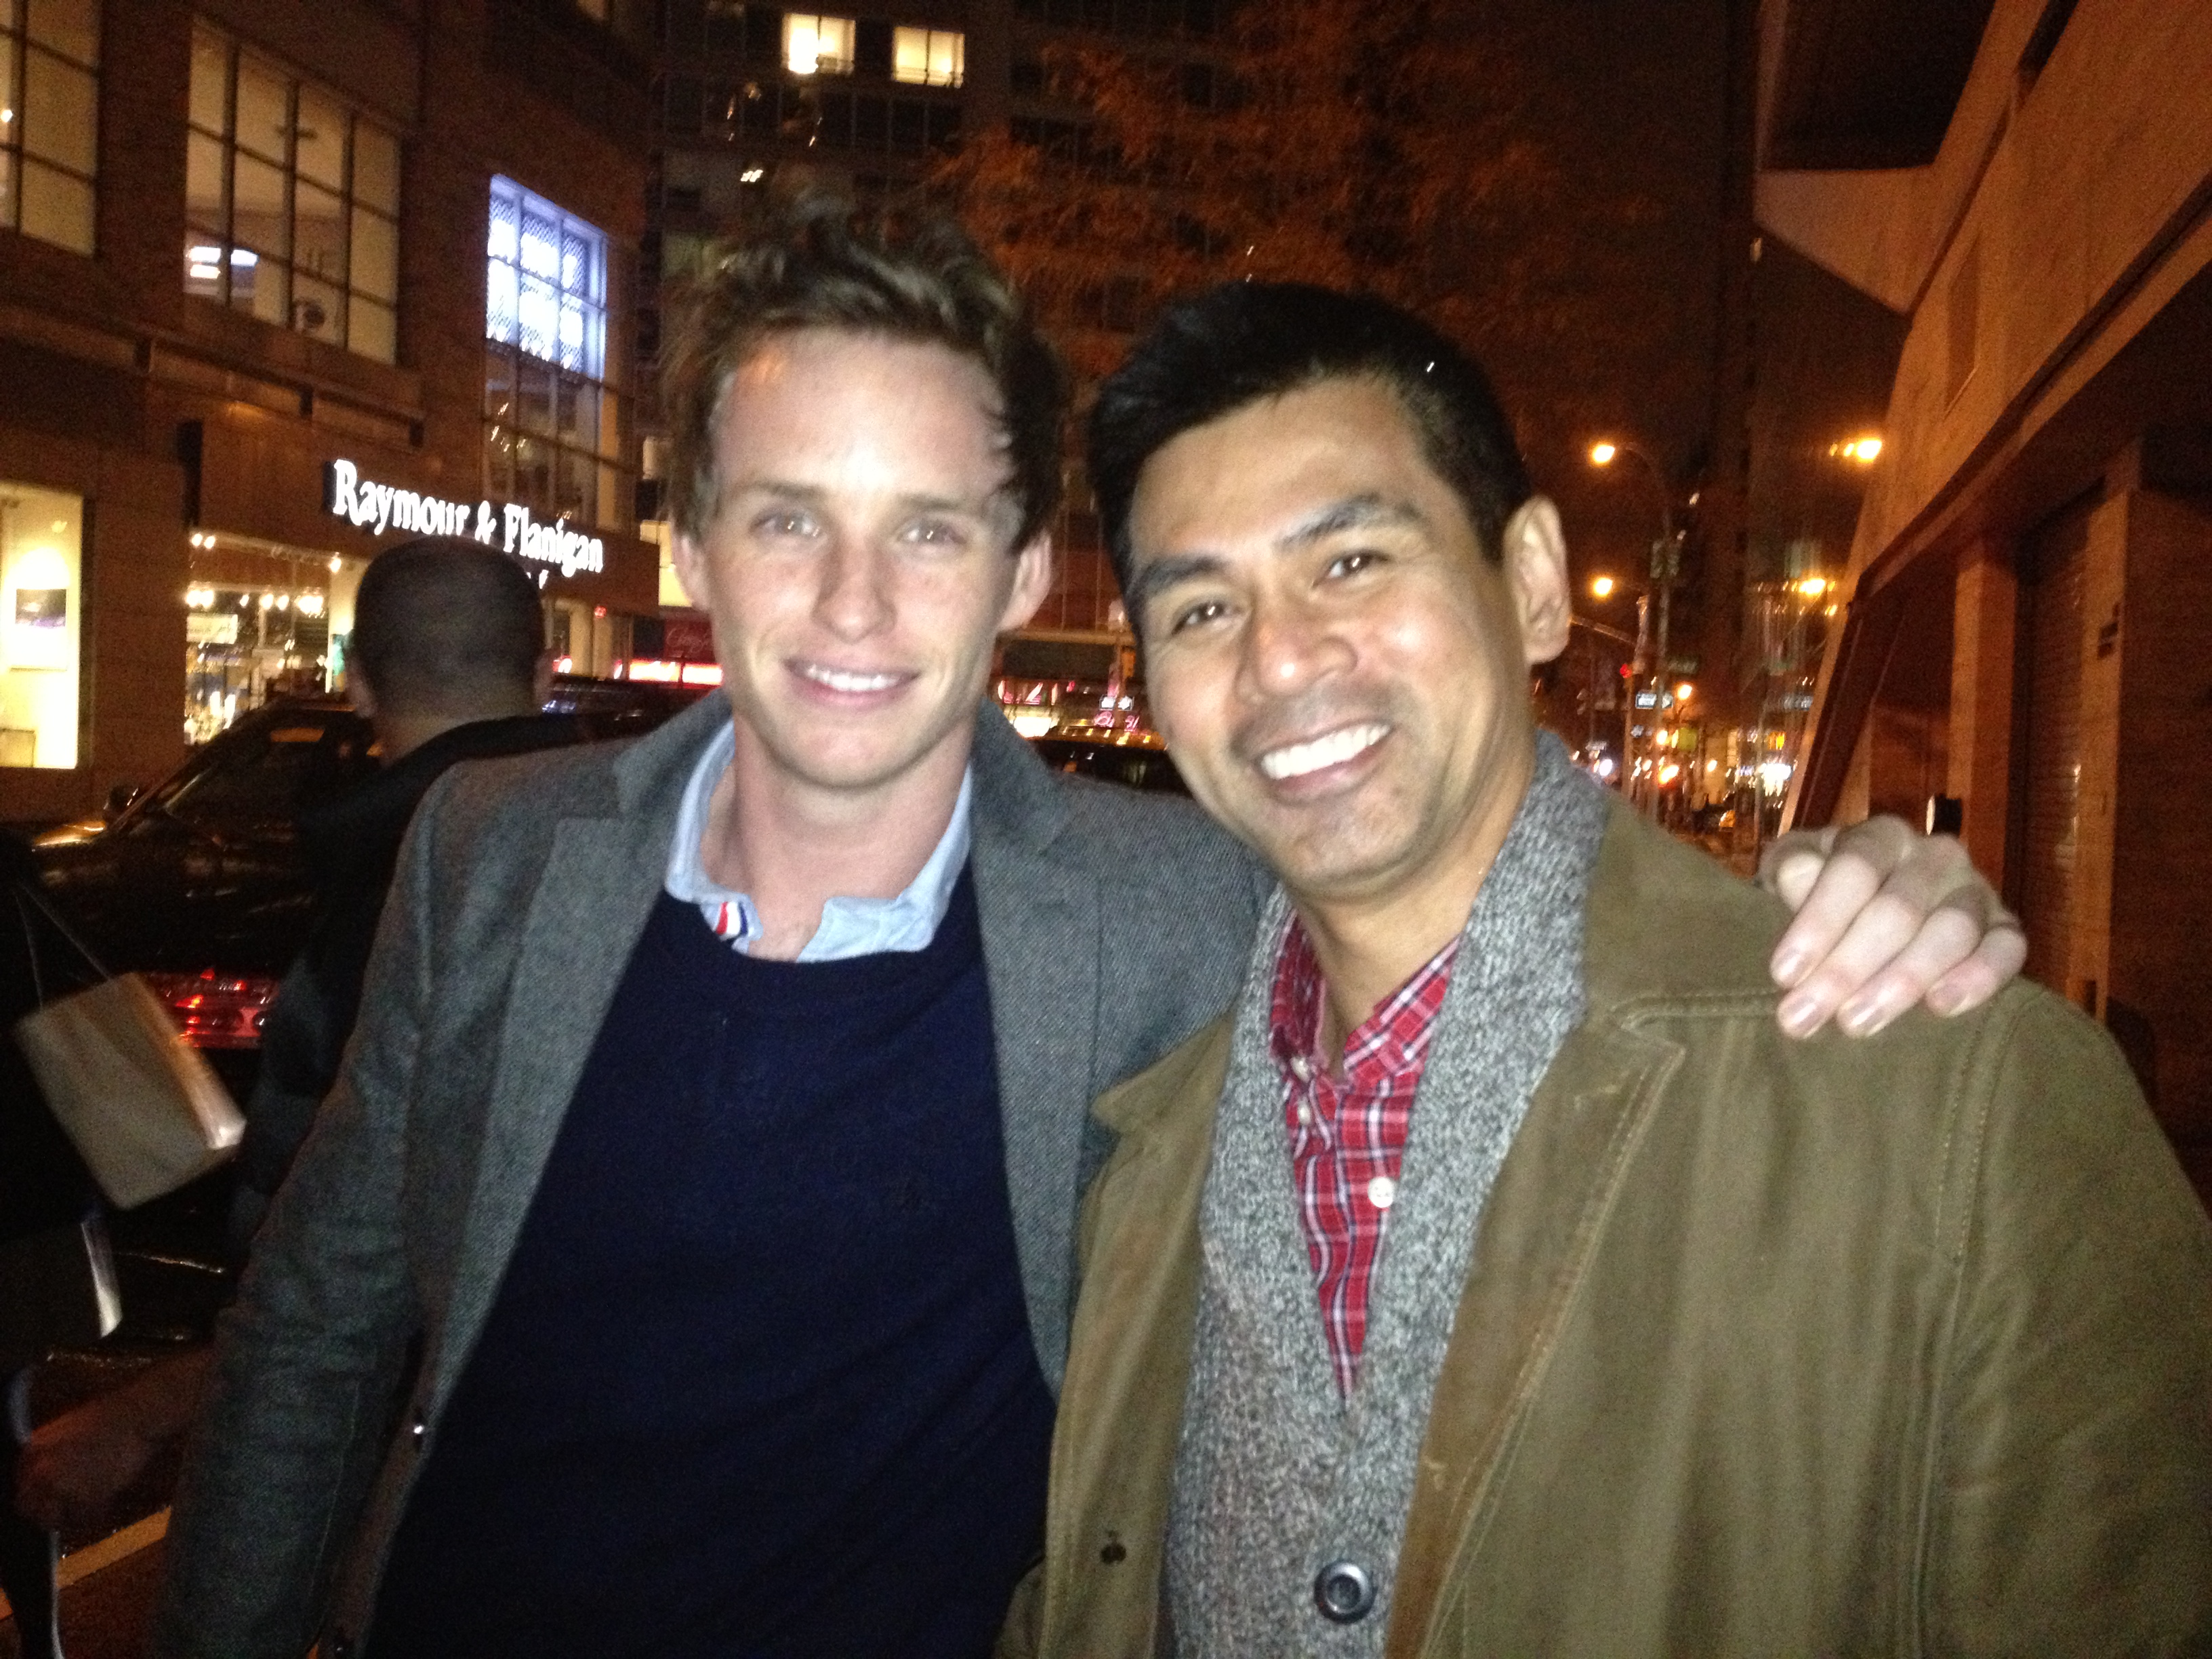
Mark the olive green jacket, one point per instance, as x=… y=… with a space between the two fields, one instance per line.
x=1900 y=1346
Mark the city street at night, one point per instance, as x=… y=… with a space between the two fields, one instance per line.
x=1074 y=827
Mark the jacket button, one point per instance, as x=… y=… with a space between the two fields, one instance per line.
x=341 y=1645
x=1345 y=1592
x=418 y=1429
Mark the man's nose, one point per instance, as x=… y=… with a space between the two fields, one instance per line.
x=853 y=600
x=1288 y=648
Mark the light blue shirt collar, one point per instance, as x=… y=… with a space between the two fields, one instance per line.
x=850 y=927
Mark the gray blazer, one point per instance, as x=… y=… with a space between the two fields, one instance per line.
x=1114 y=925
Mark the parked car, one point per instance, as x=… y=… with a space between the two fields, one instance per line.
x=197 y=882
x=1134 y=764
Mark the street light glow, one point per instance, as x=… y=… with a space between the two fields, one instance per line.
x=1865 y=451
x=1682 y=692
x=1603 y=587
x=1602 y=453
x=1813 y=586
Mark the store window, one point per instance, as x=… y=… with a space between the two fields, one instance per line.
x=928 y=57
x=262 y=620
x=41 y=620
x=552 y=426
x=49 y=119
x=291 y=202
x=816 y=44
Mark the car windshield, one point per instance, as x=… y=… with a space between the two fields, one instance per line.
x=259 y=778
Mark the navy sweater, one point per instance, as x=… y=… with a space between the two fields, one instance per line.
x=759 y=1378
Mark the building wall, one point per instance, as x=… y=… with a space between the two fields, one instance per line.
x=2052 y=422
x=2157 y=971
x=2043 y=206
x=170 y=414
x=1985 y=603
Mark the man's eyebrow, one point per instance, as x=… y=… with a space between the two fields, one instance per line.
x=1353 y=513
x=774 y=487
x=1163 y=573
x=919 y=502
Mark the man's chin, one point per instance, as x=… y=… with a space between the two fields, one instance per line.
x=1325 y=859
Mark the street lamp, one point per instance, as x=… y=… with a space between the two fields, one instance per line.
x=1666 y=557
x=1602 y=587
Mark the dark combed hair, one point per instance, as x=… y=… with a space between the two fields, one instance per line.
x=1211 y=356
x=446 y=625
x=821 y=265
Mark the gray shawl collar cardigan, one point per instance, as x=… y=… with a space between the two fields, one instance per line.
x=1278 y=1475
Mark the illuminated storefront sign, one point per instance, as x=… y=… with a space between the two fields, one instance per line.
x=508 y=526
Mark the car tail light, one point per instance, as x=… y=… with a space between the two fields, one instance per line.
x=217 y=1010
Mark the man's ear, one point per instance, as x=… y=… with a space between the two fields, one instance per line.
x=1535 y=554
x=1032 y=581
x=684 y=554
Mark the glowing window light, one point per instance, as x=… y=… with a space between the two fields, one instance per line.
x=817 y=44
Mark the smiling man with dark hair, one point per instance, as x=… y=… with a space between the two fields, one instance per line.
x=1496 y=1277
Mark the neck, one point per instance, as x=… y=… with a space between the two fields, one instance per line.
x=791 y=847
x=398 y=736
x=1369 y=944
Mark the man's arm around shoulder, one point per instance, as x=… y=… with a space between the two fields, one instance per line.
x=307 y=1358
x=2070 y=1503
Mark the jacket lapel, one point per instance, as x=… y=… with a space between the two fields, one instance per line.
x=1553 y=1195
x=1040 y=942
x=602 y=876
x=1114 y=1447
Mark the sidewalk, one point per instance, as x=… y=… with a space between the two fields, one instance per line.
x=107 y=1595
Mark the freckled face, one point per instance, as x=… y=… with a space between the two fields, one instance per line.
x=1341 y=672
x=859 y=564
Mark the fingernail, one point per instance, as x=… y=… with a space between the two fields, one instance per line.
x=1945 y=1000
x=1800 y=1014
x=1862 y=1018
x=1789 y=967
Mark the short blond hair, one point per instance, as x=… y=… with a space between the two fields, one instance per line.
x=821 y=265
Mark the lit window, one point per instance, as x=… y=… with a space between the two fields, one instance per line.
x=814 y=44
x=928 y=57
x=50 y=119
x=41 y=620
x=552 y=431
x=291 y=203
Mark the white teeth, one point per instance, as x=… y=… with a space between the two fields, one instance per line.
x=1331 y=748
x=838 y=680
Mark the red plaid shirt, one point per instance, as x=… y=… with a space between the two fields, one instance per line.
x=1348 y=1131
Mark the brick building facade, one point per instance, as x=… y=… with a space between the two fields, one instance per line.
x=253 y=334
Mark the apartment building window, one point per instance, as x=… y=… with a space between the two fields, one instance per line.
x=552 y=431
x=814 y=44
x=928 y=57
x=49 y=119
x=291 y=203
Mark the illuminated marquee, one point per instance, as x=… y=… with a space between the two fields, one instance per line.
x=508 y=526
